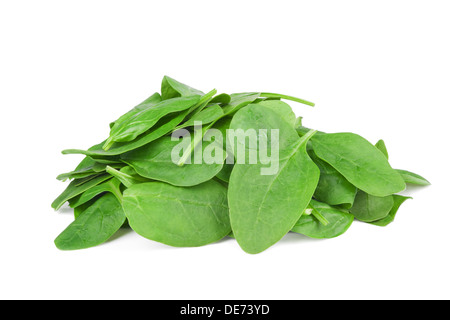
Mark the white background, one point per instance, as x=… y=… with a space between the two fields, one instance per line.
x=377 y=68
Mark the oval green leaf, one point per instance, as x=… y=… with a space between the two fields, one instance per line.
x=361 y=163
x=154 y=161
x=368 y=208
x=264 y=208
x=94 y=226
x=338 y=222
x=177 y=216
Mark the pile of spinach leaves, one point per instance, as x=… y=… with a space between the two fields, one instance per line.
x=324 y=181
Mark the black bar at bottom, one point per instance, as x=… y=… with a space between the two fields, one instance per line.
x=226 y=309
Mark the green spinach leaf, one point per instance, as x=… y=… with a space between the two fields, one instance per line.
x=164 y=126
x=148 y=103
x=205 y=116
x=154 y=161
x=368 y=208
x=332 y=188
x=94 y=226
x=398 y=201
x=408 y=177
x=338 y=222
x=177 y=216
x=76 y=188
x=131 y=128
x=413 y=178
x=171 y=88
x=361 y=163
x=222 y=99
x=256 y=200
x=112 y=186
x=382 y=147
x=282 y=109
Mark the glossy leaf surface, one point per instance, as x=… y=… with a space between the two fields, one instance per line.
x=176 y=216
x=370 y=208
x=257 y=200
x=338 y=222
x=154 y=161
x=94 y=226
x=361 y=163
